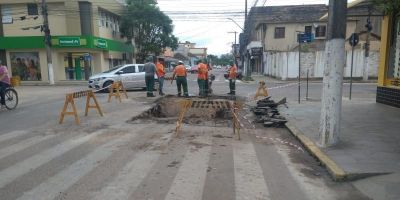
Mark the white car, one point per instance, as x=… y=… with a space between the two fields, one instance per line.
x=131 y=75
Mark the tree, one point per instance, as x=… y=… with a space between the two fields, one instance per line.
x=388 y=6
x=149 y=27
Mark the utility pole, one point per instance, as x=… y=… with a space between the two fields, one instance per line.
x=47 y=41
x=331 y=105
x=366 y=47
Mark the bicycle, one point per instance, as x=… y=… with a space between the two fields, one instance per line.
x=11 y=97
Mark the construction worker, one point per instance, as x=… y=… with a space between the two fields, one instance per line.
x=201 y=78
x=181 y=81
x=160 y=74
x=232 y=78
x=150 y=70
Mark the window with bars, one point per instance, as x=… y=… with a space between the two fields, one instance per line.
x=320 y=31
x=279 y=32
x=32 y=9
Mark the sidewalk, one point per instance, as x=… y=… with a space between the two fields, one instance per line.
x=257 y=78
x=369 y=143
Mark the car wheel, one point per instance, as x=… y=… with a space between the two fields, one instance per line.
x=106 y=85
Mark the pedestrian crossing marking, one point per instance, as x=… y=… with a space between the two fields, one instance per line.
x=249 y=178
x=10 y=174
x=190 y=179
x=60 y=182
x=129 y=178
x=11 y=135
x=23 y=145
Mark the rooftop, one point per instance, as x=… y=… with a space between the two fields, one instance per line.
x=288 y=14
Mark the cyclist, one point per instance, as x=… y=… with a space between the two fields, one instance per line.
x=4 y=83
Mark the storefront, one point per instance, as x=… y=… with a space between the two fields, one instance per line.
x=388 y=91
x=74 y=57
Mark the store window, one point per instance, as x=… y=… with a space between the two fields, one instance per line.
x=26 y=65
x=393 y=72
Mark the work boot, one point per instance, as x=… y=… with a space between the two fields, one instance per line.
x=179 y=94
x=150 y=95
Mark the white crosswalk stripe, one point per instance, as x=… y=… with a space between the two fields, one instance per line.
x=23 y=145
x=60 y=182
x=131 y=175
x=190 y=180
x=129 y=178
x=12 y=134
x=10 y=174
x=249 y=178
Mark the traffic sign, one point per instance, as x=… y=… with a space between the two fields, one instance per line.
x=305 y=37
x=354 y=39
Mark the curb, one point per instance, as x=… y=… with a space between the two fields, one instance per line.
x=337 y=173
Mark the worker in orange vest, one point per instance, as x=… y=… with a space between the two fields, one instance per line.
x=160 y=74
x=202 y=77
x=232 y=78
x=181 y=81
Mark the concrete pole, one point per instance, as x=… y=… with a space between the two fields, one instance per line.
x=331 y=104
x=47 y=42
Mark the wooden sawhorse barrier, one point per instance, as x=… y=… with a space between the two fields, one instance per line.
x=115 y=89
x=69 y=99
x=262 y=90
x=185 y=105
x=235 y=119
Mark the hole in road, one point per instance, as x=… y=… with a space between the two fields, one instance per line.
x=211 y=111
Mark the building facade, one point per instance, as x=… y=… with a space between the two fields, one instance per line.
x=85 y=38
x=388 y=90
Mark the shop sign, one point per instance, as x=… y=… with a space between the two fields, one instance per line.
x=69 y=41
x=100 y=43
x=256 y=51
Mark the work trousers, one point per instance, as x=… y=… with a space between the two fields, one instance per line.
x=161 y=85
x=149 y=84
x=232 y=86
x=202 y=87
x=182 y=82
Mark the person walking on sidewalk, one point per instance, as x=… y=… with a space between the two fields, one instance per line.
x=232 y=78
x=181 y=81
x=201 y=78
x=160 y=75
x=4 y=84
x=150 y=70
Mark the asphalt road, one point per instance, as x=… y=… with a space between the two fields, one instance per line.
x=112 y=157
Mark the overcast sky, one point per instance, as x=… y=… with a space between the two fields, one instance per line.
x=210 y=29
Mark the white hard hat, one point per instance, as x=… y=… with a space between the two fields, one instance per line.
x=180 y=62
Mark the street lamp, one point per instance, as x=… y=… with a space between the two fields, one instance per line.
x=236 y=23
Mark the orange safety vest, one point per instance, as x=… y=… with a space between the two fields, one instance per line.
x=160 y=70
x=202 y=71
x=232 y=72
x=180 y=70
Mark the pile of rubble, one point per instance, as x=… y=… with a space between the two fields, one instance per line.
x=266 y=112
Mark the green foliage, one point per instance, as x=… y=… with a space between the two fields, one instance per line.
x=149 y=27
x=389 y=7
x=224 y=59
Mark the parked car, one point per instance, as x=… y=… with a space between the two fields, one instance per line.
x=239 y=74
x=131 y=75
x=194 y=69
x=188 y=68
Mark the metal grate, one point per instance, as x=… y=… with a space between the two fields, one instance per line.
x=211 y=104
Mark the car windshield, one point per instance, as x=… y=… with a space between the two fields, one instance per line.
x=112 y=69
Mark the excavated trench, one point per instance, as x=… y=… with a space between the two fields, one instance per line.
x=212 y=111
